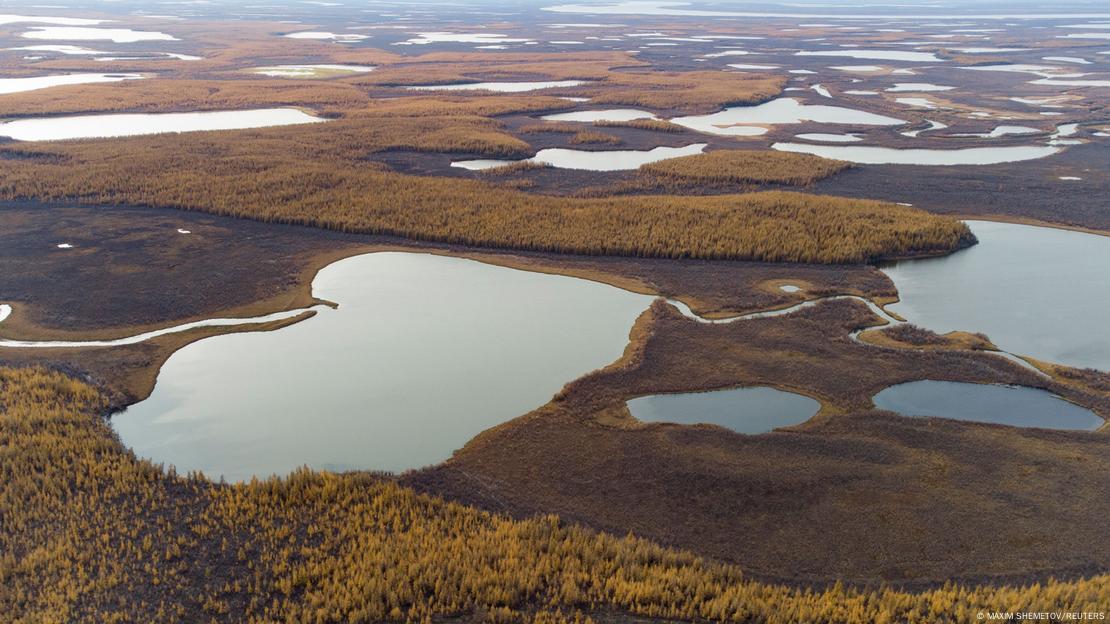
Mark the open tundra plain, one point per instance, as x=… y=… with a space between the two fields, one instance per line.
x=529 y=312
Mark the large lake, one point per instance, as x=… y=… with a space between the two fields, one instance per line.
x=1035 y=291
x=423 y=353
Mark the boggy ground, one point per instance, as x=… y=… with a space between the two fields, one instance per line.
x=855 y=474
x=853 y=494
x=131 y=270
x=146 y=274
x=1024 y=191
x=582 y=455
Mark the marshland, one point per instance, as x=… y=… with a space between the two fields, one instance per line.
x=542 y=312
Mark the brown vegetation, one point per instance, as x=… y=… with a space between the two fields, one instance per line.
x=655 y=125
x=697 y=91
x=587 y=137
x=158 y=95
x=745 y=166
x=912 y=336
x=453 y=68
x=456 y=106
x=90 y=534
x=146 y=274
x=317 y=175
x=852 y=494
x=541 y=128
x=520 y=166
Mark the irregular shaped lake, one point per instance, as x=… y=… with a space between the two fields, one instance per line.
x=1004 y=405
x=18 y=85
x=614 y=114
x=749 y=120
x=877 y=55
x=1036 y=291
x=423 y=353
x=501 y=87
x=868 y=155
x=310 y=71
x=744 y=410
x=79 y=33
x=106 y=126
x=606 y=160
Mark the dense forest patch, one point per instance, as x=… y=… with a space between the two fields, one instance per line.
x=322 y=175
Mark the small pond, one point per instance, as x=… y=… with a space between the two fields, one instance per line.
x=501 y=87
x=586 y=160
x=311 y=71
x=1004 y=405
x=877 y=55
x=868 y=155
x=612 y=114
x=744 y=410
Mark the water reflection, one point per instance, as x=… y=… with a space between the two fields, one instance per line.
x=423 y=353
x=745 y=410
x=1006 y=405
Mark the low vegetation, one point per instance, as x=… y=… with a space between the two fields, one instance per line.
x=908 y=334
x=696 y=91
x=90 y=534
x=745 y=166
x=588 y=137
x=655 y=125
x=520 y=166
x=852 y=494
x=557 y=128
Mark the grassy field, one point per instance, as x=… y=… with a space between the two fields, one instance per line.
x=90 y=534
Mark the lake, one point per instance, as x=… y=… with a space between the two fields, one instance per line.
x=613 y=114
x=750 y=120
x=744 y=410
x=588 y=160
x=136 y=124
x=33 y=83
x=1036 y=291
x=423 y=353
x=1006 y=405
x=500 y=87
x=869 y=155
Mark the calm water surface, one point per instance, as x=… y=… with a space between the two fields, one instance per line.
x=868 y=155
x=745 y=410
x=591 y=160
x=502 y=87
x=423 y=353
x=135 y=124
x=1036 y=291
x=750 y=120
x=1006 y=405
